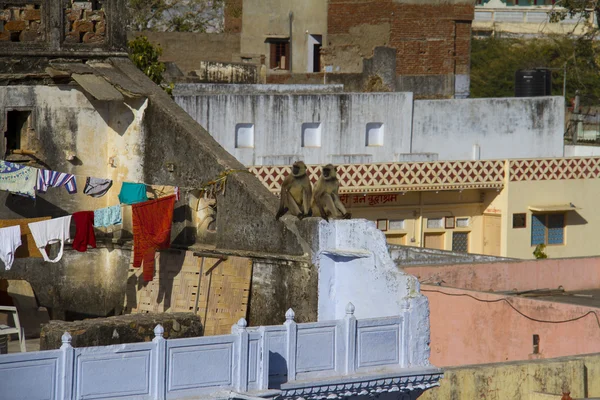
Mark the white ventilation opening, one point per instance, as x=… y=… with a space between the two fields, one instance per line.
x=375 y=132
x=311 y=134
x=244 y=136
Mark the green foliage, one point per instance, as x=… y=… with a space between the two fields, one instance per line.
x=495 y=61
x=177 y=15
x=145 y=56
x=539 y=253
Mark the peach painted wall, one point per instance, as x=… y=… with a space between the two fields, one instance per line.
x=465 y=331
x=571 y=273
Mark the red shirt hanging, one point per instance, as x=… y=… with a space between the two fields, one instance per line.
x=84 y=224
x=151 y=231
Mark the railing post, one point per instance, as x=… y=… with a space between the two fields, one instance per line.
x=350 y=323
x=405 y=334
x=159 y=369
x=65 y=386
x=263 y=379
x=242 y=368
x=292 y=336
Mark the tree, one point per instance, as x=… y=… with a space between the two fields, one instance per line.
x=581 y=9
x=177 y=15
x=145 y=56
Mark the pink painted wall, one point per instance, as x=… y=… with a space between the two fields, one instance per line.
x=465 y=331
x=571 y=273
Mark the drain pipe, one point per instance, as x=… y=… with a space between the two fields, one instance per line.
x=291 y=15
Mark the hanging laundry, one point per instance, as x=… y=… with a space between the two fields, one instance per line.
x=158 y=191
x=18 y=179
x=28 y=247
x=52 y=231
x=48 y=178
x=108 y=216
x=97 y=187
x=132 y=193
x=84 y=234
x=10 y=240
x=151 y=231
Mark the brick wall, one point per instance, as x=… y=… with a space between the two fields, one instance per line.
x=21 y=23
x=430 y=39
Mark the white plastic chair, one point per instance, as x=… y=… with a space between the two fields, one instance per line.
x=7 y=330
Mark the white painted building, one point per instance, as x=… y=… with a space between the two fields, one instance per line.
x=261 y=126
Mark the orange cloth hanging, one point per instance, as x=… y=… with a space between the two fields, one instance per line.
x=152 y=222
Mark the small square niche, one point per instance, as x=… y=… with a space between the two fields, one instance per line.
x=375 y=134
x=244 y=136
x=311 y=134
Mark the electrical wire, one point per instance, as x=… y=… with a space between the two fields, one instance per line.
x=504 y=299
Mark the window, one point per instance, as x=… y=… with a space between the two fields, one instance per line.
x=374 y=134
x=18 y=125
x=396 y=224
x=519 y=220
x=462 y=222
x=244 y=136
x=460 y=242
x=311 y=134
x=279 y=55
x=382 y=224
x=435 y=223
x=547 y=229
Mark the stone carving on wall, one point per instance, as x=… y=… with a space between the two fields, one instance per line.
x=85 y=22
x=21 y=23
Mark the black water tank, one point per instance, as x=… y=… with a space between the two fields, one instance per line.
x=533 y=82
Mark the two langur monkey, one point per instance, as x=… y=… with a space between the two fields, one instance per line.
x=298 y=197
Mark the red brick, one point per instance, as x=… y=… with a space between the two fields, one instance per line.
x=4 y=36
x=73 y=15
x=31 y=15
x=100 y=28
x=15 y=26
x=83 y=26
x=73 y=37
x=93 y=38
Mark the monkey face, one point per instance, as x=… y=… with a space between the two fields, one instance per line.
x=299 y=169
x=329 y=172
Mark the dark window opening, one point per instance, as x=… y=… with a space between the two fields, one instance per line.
x=536 y=344
x=317 y=57
x=520 y=220
x=17 y=124
x=280 y=55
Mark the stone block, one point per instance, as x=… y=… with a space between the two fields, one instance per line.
x=73 y=37
x=95 y=16
x=29 y=36
x=4 y=36
x=31 y=15
x=130 y=328
x=101 y=28
x=35 y=26
x=73 y=15
x=93 y=38
x=83 y=26
x=15 y=26
x=5 y=15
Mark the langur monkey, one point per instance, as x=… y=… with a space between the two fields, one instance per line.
x=326 y=201
x=296 y=193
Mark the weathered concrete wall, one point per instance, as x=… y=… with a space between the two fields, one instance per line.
x=189 y=49
x=452 y=129
x=219 y=72
x=570 y=273
x=582 y=151
x=80 y=284
x=498 y=128
x=278 y=121
x=278 y=285
x=193 y=89
x=131 y=328
x=522 y=380
x=502 y=334
x=271 y=18
x=407 y=256
x=352 y=255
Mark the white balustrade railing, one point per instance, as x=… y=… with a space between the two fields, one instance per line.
x=249 y=359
